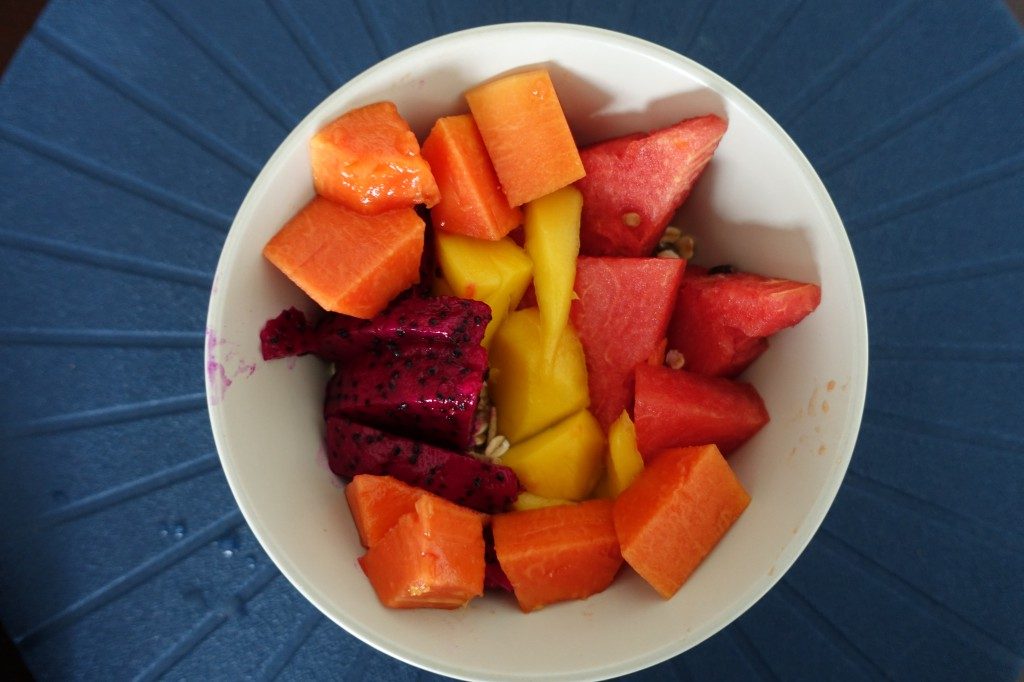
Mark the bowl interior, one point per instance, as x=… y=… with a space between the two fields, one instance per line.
x=760 y=206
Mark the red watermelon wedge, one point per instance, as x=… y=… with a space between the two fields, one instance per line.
x=675 y=408
x=721 y=321
x=621 y=315
x=635 y=184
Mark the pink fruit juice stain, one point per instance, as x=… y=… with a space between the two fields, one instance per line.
x=224 y=364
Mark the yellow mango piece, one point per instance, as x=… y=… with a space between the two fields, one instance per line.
x=527 y=500
x=529 y=393
x=623 y=462
x=563 y=461
x=552 y=231
x=495 y=272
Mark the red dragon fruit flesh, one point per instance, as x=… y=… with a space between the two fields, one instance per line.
x=412 y=317
x=357 y=449
x=429 y=393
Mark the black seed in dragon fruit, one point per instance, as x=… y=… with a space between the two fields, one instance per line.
x=411 y=318
x=429 y=393
x=357 y=449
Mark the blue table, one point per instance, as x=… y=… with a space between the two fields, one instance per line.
x=129 y=133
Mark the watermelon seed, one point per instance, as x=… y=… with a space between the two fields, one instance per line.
x=667 y=253
x=674 y=359
x=631 y=219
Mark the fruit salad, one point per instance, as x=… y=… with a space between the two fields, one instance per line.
x=532 y=386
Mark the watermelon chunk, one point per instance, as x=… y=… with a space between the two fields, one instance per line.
x=722 y=320
x=621 y=315
x=635 y=184
x=675 y=408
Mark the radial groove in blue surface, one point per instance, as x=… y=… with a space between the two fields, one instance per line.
x=831 y=76
x=986 y=531
x=208 y=624
x=80 y=253
x=380 y=44
x=104 y=416
x=129 y=580
x=956 y=623
x=931 y=352
x=940 y=430
x=919 y=111
x=123 y=492
x=764 y=42
x=121 y=338
x=741 y=643
x=803 y=607
x=958 y=272
x=277 y=661
x=861 y=223
x=109 y=176
x=305 y=41
x=231 y=67
x=148 y=102
x=703 y=8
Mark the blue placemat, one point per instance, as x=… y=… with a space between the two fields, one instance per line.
x=129 y=133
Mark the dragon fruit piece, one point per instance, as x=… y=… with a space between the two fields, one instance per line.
x=287 y=334
x=422 y=392
x=357 y=449
x=411 y=318
x=494 y=574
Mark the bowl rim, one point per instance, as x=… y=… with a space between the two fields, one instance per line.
x=858 y=380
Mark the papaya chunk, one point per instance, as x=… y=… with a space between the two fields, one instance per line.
x=526 y=135
x=675 y=512
x=369 y=160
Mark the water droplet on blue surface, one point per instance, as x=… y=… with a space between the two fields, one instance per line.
x=175 y=530
x=228 y=545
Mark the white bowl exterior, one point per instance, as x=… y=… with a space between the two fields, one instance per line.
x=760 y=206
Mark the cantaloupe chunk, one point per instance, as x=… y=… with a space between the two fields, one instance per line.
x=369 y=160
x=675 y=512
x=557 y=553
x=472 y=202
x=526 y=134
x=348 y=262
x=432 y=558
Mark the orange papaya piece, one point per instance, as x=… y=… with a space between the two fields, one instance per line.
x=368 y=159
x=557 y=553
x=349 y=262
x=472 y=202
x=675 y=512
x=526 y=135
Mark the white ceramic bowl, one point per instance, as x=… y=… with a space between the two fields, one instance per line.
x=759 y=206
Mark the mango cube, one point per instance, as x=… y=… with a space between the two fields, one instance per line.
x=495 y=272
x=529 y=393
x=623 y=462
x=527 y=500
x=563 y=462
x=552 y=241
